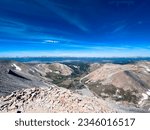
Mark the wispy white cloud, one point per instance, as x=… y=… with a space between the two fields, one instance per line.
x=13 y=28
x=64 y=14
x=119 y=28
x=50 y=41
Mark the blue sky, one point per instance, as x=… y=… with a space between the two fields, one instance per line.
x=93 y=28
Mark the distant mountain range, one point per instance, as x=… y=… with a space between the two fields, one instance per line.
x=119 y=60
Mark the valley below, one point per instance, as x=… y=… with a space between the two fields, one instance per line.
x=74 y=87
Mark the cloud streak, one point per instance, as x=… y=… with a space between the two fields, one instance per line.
x=119 y=28
x=64 y=14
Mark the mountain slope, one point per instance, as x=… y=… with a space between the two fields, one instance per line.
x=56 y=68
x=130 y=82
x=15 y=76
x=122 y=76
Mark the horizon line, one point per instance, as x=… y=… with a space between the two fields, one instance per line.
x=74 y=57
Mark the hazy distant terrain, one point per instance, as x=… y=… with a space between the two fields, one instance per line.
x=75 y=86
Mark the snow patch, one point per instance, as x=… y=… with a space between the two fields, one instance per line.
x=32 y=70
x=75 y=66
x=147 y=68
x=37 y=70
x=39 y=65
x=148 y=92
x=16 y=67
x=120 y=97
x=145 y=96
x=56 y=72
x=50 y=71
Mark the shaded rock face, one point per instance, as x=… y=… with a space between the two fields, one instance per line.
x=15 y=76
x=52 y=99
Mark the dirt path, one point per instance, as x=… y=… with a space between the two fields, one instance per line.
x=85 y=91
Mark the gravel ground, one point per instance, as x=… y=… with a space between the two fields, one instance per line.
x=53 y=100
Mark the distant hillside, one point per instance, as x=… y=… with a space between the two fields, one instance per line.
x=130 y=82
x=54 y=68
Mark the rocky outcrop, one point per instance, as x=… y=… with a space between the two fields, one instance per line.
x=52 y=99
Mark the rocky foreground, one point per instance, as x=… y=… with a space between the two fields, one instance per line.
x=53 y=100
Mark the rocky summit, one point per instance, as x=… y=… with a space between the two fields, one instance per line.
x=51 y=100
